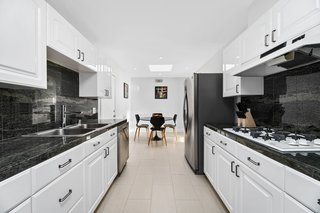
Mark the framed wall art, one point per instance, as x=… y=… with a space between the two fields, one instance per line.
x=161 y=92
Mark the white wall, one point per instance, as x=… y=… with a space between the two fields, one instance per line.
x=144 y=103
x=214 y=65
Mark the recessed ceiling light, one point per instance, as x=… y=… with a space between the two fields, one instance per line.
x=160 y=57
x=161 y=68
x=134 y=68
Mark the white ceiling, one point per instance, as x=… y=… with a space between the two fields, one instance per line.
x=135 y=33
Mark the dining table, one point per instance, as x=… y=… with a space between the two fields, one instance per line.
x=148 y=118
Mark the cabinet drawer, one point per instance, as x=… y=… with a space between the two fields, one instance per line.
x=268 y=168
x=227 y=144
x=209 y=133
x=49 y=170
x=15 y=190
x=62 y=194
x=96 y=143
x=303 y=188
x=24 y=207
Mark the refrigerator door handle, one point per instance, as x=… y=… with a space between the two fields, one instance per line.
x=185 y=112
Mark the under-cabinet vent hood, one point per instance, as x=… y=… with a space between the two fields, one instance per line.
x=297 y=52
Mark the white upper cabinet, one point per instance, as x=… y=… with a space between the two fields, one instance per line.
x=234 y=85
x=257 y=38
x=96 y=84
x=67 y=46
x=23 y=58
x=285 y=20
x=291 y=17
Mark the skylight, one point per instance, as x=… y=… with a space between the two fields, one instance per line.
x=161 y=68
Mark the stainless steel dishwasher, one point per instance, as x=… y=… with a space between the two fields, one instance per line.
x=123 y=146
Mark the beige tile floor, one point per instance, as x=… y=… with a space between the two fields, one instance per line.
x=157 y=179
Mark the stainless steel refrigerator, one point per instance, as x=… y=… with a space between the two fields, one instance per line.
x=203 y=103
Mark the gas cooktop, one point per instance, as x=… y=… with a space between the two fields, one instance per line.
x=278 y=139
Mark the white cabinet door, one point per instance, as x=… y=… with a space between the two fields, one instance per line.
x=293 y=206
x=94 y=179
x=111 y=162
x=256 y=194
x=257 y=38
x=88 y=52
x=23 y=58
x=24 y=207
x=226 y=179
x=293 y=17
x=210 y=160
x=231 y=61
x=62 y=36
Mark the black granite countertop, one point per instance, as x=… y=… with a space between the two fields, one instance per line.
x=19 y=154
x=304 y=162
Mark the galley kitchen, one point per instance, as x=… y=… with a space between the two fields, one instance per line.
x=164 y=106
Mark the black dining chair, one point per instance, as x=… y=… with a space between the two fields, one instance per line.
x=157 y=122
x=157 y=114
x=173 y=126
x=139 y=126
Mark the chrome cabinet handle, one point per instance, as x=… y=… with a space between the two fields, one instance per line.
x=61 y=200
x=96 y=144
x=65 y=164
x=273 y=36
x=82 y=56
x=105 y=153
x=225 y=144
x=112 y=134
x=207 y=133
x=232 y=164
x=237 y=166
x=108 y=151
x=266 y=40
x=237 y=88
x=253 y=162
x=212 y=150
x=79 y=54
x=106 y=92
x=319 y=201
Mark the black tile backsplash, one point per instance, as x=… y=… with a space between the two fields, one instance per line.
x=291 y=100
x=24 y=111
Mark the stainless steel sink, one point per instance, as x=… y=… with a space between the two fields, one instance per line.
x=87 y=126
x=66 y=132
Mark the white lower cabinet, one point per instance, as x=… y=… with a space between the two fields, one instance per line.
x=210 y=160
x=62 y=194
x=111 y=163
x=248 y=182
x=226 y=179
x=24 y=207
x=94 y=179
x=255 y=193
